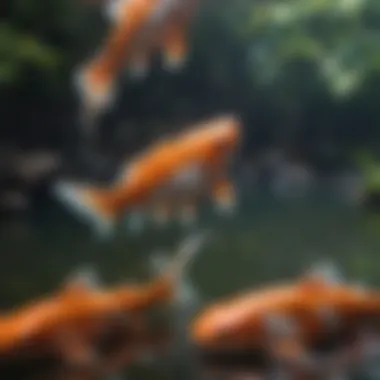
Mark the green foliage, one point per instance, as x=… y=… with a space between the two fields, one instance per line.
x=370 y=167
x=310 y=66
x=37 y=42
x=22 y=51
x=336 y=37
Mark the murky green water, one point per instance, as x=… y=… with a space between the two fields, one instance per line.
x=265 y=241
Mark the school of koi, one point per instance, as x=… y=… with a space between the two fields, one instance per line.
x=315 y=327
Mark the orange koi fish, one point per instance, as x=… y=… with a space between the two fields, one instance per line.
x=287 y=320
x=140 y=27
x=178 y=169
x=72 y=325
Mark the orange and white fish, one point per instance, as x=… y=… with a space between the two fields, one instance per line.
x=139 y=29
x=72 y=324
x=287 y=320
x=174 y=172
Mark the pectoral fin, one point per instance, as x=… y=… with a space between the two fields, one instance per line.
x=95 y=87
x=288 y=350
x=175 y=48
x=284 y=343
x=293 y=359
x=224 y=195
x=75 y=351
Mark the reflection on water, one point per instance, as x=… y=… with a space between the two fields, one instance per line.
x=266 y=241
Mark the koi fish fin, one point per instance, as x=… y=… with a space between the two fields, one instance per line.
x=186 y=254
x=322 y=274
x=288 y=350
x=224 y=195
x=114 y=9
x=96 y=91
x=284 y=343
x=74 y=350
x=176 y=269
x=88 y=203
x=188 y=297
x=81 y=281
x=175 y=50
x=158 y=262
x=367 y=342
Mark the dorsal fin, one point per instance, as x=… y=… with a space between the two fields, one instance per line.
x=159 y=261
x=82 y=281
x=361 y=286
x=321 y=274
x=114 y=10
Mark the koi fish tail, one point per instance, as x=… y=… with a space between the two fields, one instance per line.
x=175 y=49
x=90 y=204
x=224 y=195
x=95 y=87
x=177 y=269
x=185 y=299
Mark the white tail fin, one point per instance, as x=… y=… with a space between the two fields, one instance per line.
x=326 y=271
x=186 y=254
x=85 y=276
x=174 y=53
x=226 y=207
x=96 y=96
x=114 y=9
x=177 y=269
x=78 y=199
x=174 y=64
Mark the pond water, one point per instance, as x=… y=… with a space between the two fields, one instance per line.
x=265 y=241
